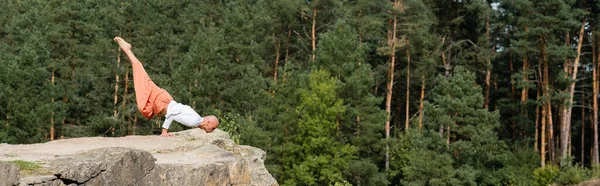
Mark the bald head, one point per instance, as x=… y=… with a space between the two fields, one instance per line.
x=209 y=124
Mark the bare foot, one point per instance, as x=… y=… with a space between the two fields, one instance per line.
x=123 y=44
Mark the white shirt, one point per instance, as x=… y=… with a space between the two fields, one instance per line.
x=183 y=114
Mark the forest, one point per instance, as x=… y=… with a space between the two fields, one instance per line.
x=337 y=92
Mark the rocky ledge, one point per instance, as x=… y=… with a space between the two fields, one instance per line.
x=190 y=157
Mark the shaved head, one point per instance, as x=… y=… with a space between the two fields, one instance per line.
x=209 y=124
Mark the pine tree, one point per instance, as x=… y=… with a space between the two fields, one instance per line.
x=318 y=158
x=340 y=52
x=471 y=145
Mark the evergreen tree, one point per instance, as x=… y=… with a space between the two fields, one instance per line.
x=470 y=139
x=316 y=156
x=341 y=53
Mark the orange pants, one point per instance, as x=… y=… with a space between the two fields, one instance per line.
x=151 y=100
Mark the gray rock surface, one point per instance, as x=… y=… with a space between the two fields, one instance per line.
x=9 y=174
x=104 y=166
x=41 y=181
x=191 y=157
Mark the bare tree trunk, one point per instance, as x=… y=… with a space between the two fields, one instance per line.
x=594 y=98
x=388 y=102
x=567 y=110
x=543 y=137
x=548 y=104
x=52 y=118
x=448 y=135
x=276 y=60
x=543 y=116
x=537 y=120
x=125 y=99
x=447 y=68
x=407 y=84
x=314 y=38
x=525 y=93
x=582 y=123
x=134 y=124
x=488 y=70
x=595 y=159
x=117 y=82
x=287 y=45
x=357 y=125
x=512 y=82
x=421 y=101
x=525 y=90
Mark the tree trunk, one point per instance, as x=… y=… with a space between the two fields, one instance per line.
x=388 y=100
x=52 y=118
x=543 y=137
x=582 y=123
x=537 y=120
x=525 y=90
x=125 y=100
x=314 y=38
x=134 y=124
x=117 y=82
x=550 y=130
x=488 y=68
x=512 y=82
x=525 y=94
x=421 y=101
x=407 y=84
x=287 y=45
x=594 y=98
x=543 y=144
x=548 y=104
x=595 y=159
x=276 y=60
x=357 y=125
x=447 y=69
x=568 y=109
x=448 y=135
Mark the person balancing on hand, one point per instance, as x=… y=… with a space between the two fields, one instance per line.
x=152 y=100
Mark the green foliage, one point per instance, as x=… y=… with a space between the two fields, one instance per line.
x=595 y=172
x=467 y=154
x=568 y=175
x=545 y=175
x=518 y=163
x=571 y=175
x=232 y=124
x=318 y=158
x=427 y=161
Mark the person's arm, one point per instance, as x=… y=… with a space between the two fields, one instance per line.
x=165 y=133
x=165 y=127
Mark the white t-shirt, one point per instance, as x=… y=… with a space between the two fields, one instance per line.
x=183 y=114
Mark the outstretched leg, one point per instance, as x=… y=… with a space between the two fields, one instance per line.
x=143 y=85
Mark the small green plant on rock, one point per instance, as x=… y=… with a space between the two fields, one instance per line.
x=29 y=168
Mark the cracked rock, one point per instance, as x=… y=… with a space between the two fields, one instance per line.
x=190 y=157
x=9 y=174
x=104 y=166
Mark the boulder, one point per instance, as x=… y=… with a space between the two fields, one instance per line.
x=104 y=166
x=9 y=174
x=190 y=157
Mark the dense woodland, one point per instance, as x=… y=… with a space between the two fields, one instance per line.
x=337 y=92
